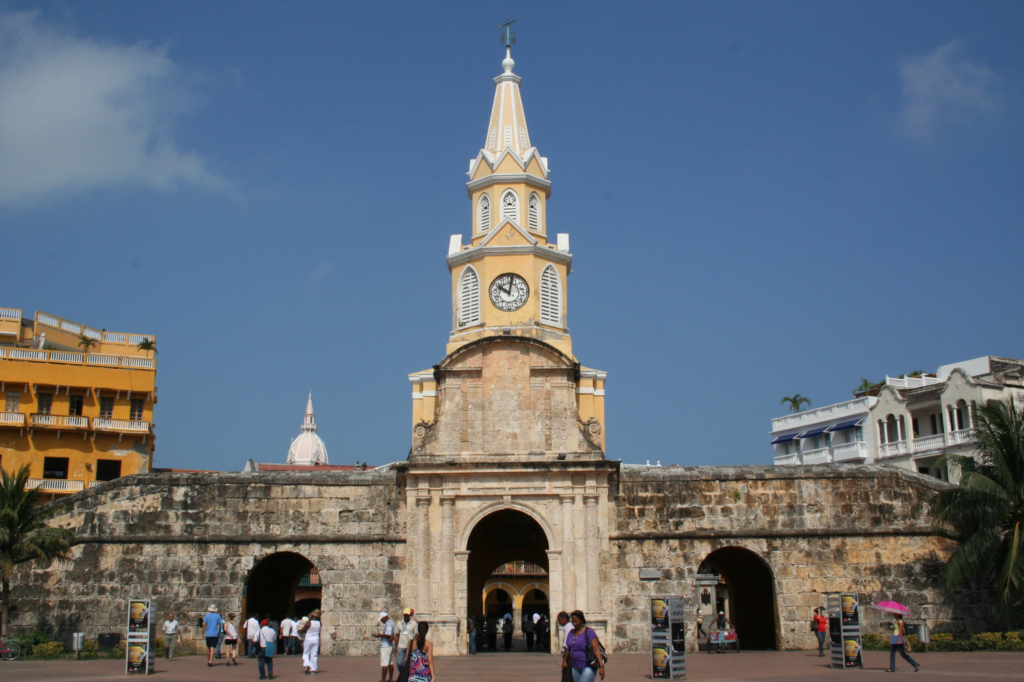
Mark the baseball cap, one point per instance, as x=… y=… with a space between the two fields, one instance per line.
x=383 y=614
x=408 y=612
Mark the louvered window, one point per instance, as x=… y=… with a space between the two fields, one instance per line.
x=490 y=142
x=550 y=297
x=508 y=136
x=510 y=207
x=534 y=212
x=522 y=138
x=469 y=297
x=485 y=213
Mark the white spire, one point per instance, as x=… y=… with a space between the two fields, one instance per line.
x=307 y=422
x=308 y=448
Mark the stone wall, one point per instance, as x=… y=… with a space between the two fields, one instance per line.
x=819 y=529
x=190 y=540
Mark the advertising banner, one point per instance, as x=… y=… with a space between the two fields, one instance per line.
x=138 y=647
x=660 y=661
x=138 y=657
x=851 y=652
x=851 y=614
x=659 y=616
x=668 y=638
x=138 y=617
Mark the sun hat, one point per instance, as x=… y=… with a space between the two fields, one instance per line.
x=213 y=608
x=408 y=612
x=383 y=615
x=315 y=613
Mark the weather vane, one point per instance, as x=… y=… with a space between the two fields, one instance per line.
x=508 y=36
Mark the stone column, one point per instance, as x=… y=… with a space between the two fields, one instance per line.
x=592 y=540
x=447 y=591
x=423 y=560
x=568 y=552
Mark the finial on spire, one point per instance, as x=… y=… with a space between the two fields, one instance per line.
x=508 y=36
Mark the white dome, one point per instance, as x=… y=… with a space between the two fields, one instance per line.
x=308 y=448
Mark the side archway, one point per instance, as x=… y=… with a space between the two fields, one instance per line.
x=749 y=600
x=282 y=584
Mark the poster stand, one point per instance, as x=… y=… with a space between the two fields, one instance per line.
x=139 y=654
x=845 y=643
x=668 y=638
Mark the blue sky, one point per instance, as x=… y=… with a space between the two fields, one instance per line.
x=763 y=199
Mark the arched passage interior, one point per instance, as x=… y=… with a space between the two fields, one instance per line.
x=501 y=537
x=751 y=596
x=283 y=583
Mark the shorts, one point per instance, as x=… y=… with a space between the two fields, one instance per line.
x=211 y=642
x=386 y=652
x=231 y=642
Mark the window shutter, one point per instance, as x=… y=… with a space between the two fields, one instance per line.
x=522 y=138
x=508 y=136
x=550 y=297
x=485 y=213
x=534 y=212
x=469 y=298
x=490 y=142
x=510 y=207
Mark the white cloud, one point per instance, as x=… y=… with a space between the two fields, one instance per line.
x=942 y=89
x=320 y=272
x=76 y=114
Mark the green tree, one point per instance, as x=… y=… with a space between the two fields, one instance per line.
x=85 y=343
x=147 y=345
x=24 y=535
x=986 y=511
x=795 y=402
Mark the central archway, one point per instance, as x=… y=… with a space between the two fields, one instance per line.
x=748 y=597
x=282 y=584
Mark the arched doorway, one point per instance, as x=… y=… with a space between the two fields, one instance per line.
x=507 y=552
x=282 y=584
x=745 y=592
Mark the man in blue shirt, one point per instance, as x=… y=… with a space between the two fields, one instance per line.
x=213 y=624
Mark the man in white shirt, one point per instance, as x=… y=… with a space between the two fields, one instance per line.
x=387 y=647
x=252 y=634
x=288 y=636
x=172 y=635
x=406 y=633
x=267 y=638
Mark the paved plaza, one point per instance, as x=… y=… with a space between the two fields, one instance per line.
x=749 y=665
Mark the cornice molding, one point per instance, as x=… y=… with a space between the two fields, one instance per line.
x=538 y=250
x=509 y=178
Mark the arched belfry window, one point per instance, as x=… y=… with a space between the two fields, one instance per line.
x=484 y=219
x=550 y=297
x=510 y=206
x=490 y=142
x=534 y=212
x=508 y=136
x=469 y=297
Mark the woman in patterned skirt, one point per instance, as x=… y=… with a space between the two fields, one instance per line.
x=421 y=655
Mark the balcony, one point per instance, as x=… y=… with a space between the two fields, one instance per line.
x=787 y=460
x=912 y=382
x=848 y=452
x=58 y=421
x=851 y=408
x=120 y=425
x=893 y=449
x=311 y=579
x=13 y=419
x=936 y=442
x=54 y=485
x=69 y=357
x=961 y=436
x=819 y=456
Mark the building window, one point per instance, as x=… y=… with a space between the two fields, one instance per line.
x=13 y=401
x=550 y=297
x=522 y=139
x=790 y=447
x=854 y=435
x=490 y=141
x=510 y=206
x=107 y=469
x=484 y=220
x=137 y=406
x=508 y=136
x=75 y=405
x=106 y=408
x=469 y=297
x=45 y=401
x=534 y=218
x=55 y=467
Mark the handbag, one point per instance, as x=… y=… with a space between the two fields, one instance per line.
x=591 y=659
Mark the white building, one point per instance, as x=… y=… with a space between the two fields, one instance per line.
x=910 y=423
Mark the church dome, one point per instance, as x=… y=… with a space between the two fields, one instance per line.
x=308 y=448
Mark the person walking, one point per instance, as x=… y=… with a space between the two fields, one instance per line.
x=172 y=635
x=311 y=643
x=472 y=636
x=528 y=630
x=492 y=634
x=898 y=642
x=231 y=639
x=286 y=639
x=506 y=631
x=421 y=661
x=543 y=636
x=582 y=646
x=699 y=619
x=820 y=624
x=564 y=628
x=252 y=633
x=386 y=635
x=212 y=624
x=407 y=630
x=268 y=646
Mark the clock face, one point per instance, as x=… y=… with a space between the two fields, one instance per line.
x=509 y=292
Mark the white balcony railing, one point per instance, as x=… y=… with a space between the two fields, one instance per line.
x=10 y=314
x=819 y=456
x=80 y=358
x=911 y=382
x=93 y=484
x=849 y=408
x=126 y=425
x=12 y=419
x=60 y=421
x=894 y=449
x=787 y=460
x=935 y=442
x=848 y=452
x=961 y=436
x=54 y=485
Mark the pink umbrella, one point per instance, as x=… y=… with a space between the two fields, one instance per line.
x=891 y=607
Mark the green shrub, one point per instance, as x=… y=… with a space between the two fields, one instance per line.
x=90 y=650
x=28 y=642
x=48 y=650
x=118 y=651
x=986 y=641
x=874 y=642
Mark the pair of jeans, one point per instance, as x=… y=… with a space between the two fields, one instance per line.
x=472 y=642
x=252 y=648
x=821 y=642
x=220 y=641
x=267 y=661
x=586 y=675
x=893 y=648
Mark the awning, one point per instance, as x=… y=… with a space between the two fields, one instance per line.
x=814 y=432
x=846 y=425
x=785 y=439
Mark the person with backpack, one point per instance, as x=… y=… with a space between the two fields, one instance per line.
x=583 y=651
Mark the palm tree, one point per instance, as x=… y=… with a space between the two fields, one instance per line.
x=24 y=535
x=85 y=343
x=147 y=345
x=796 y=401
x=986 y=511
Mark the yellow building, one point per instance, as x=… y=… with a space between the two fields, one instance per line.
x=77 y=402
x=509 y=280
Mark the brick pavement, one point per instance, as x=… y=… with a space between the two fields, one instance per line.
x=747 y=666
